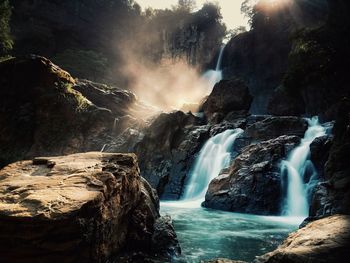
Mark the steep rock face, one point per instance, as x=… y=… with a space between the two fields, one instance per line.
x=252 y=184
x=282 y=104
x=260 y=56
x=316 y=80
x=78 y=207
x=42 y=113
x=228 y=96
x=326 y=240
x=167 y=149
x=332 y=194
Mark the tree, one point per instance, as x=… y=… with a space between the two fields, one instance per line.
x=187 y=5
x=6 y=42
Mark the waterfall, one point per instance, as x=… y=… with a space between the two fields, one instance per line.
x=219 y=62
x=214 y=76
x=296 y=166
x=213 y=157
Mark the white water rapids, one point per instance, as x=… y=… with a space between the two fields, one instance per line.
x=214 y=156
x=295 y=167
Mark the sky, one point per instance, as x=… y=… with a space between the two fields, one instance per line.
x=230 y=9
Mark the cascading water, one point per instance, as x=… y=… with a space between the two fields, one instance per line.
x=214 y=156
x=295 y=167
x=214 y=76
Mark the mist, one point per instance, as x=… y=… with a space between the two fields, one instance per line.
x=167 y=85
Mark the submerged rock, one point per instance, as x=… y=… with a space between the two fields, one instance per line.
x=326 y=240
x=82 y=207
x=252 y=184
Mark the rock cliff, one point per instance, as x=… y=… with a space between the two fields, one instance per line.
x=43 y=111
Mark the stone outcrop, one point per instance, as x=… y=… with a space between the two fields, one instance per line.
x=273 y=127
x=228 y=96
x=326 y=240
x=43 y=113
x=332 y=194
x=167 y=150
x=82 y=207
x=252 y=184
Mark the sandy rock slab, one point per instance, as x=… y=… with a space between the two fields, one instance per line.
x=326 y=240
x=81 y=207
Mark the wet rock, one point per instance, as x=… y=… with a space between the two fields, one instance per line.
x=228 y=97
x=273 y=127
x=252 y=184
x=319 y=150
x=167 y=150
x=86 y=207
x=332 y=195
x=325 y=240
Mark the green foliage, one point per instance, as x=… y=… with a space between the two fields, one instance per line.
x=75 y=97
x=309 y=62
x=6 y=41
x=82 y=63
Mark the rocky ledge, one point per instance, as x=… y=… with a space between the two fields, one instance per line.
x=83 y=207
x=324 y=240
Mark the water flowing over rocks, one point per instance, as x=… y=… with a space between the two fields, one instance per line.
x=82 y=207
x=167 y=150
x=252 y=184
x=326 y=240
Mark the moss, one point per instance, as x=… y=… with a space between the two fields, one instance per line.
x=74 y=97
x=4 y=58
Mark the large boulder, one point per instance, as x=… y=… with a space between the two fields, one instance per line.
x=167 y=149
x=228 y=96
x=82 y=207
x=42 y=113
x=252 y=184
x=326 y=240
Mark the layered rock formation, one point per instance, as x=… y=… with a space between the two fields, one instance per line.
x=43 y=113
x=88 y=207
